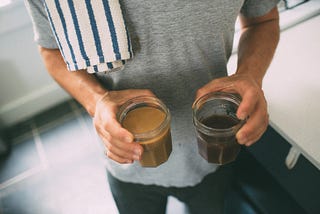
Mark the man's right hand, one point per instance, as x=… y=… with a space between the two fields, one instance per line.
x=86 y=89
x=117 y=140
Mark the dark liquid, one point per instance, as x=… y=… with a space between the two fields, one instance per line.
x=218 y=149
x=220 y=121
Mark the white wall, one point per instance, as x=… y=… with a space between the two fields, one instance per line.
x=25 y=86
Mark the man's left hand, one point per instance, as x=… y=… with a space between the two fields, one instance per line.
x=253 y=106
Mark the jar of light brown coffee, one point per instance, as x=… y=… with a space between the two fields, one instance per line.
x=148 y=119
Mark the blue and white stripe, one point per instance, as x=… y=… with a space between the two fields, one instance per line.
x=91 y=34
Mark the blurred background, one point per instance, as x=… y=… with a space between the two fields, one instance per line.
x=52 y=162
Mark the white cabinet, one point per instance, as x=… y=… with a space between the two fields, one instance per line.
x=25 y=86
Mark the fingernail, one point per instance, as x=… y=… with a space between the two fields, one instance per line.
x=136 y=157
x=241 y=138
x=242 y=116
x=129 y=161
x=128 y=139
x=138 y=152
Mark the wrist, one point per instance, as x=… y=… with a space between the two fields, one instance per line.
x=90 y=91
x=96 y=98
x=256 y=76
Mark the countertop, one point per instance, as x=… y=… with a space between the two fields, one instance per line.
x=292 y=83
x=292 y=89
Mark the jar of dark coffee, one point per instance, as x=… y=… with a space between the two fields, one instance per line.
x=148 y=119
x=216 y=124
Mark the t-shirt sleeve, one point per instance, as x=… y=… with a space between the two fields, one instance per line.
x=43 y=34
x=256 y=8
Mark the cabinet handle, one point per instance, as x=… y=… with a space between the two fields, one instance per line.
x=292 y=157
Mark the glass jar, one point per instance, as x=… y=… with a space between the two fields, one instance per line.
x=148 y=119
x=216 y=124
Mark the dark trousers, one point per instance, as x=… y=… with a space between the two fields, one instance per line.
x=206 y=197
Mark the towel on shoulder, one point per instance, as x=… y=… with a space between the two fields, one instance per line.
x=91 y=35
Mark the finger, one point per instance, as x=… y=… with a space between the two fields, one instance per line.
x=107 y=123
x=248 y=103
x=254 y=127
x=120 y=149
x=118 y=132
x=116 y=158
x=132 y=151
x=220 y=84
x=124 y=150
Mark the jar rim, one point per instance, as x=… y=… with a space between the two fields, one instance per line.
x=219 y=95
x=142 y=101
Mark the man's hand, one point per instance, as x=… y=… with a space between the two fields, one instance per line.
x=117 y=140
x=253 y=105
x=258 y=41
x=101 y=105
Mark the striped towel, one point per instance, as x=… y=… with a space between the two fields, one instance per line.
x=91 y=34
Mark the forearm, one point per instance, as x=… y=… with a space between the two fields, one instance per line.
x=257 y=45
x=84 y=87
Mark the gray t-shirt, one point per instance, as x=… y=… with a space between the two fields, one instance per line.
x=179 y=46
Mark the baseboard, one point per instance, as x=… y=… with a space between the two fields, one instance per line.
x=29 y=105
